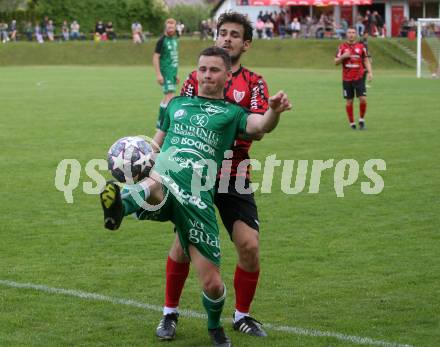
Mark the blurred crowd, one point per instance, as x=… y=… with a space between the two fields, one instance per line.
x=290 y=25
x=268 y=25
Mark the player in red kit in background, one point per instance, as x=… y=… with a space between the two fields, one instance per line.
x=353 y=56
x=238 y=211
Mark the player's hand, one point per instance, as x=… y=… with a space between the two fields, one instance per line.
x=280 y=102
x=369 y=76
x=346 y=55
x=177 y=80
x=159 y=79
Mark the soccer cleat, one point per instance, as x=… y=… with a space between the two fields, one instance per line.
x=250 y=326
x=112 y=205
x=353 y=126
x=362 y=125
x=218 y=337
x=166 y=330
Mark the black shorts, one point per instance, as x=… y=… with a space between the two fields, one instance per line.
x=234 y=206
x=350 y=87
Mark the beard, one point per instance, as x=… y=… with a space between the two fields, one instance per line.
x=235 y=58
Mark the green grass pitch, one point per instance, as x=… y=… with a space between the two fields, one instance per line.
x=362 y=266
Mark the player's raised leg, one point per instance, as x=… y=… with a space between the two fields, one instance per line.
x=117 y=203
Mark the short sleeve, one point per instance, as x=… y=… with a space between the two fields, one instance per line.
x=159 y=45
x=259 y=95
x=338 y=52
x=163 y=122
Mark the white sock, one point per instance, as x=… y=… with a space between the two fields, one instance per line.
x=239 y=315
x=169 y=310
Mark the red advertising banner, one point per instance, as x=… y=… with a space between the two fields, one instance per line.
x=303 y=2
x=396 y=19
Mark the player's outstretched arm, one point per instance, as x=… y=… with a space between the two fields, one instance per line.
x=258 y=124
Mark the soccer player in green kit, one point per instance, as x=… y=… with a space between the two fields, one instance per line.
x=194 y=134
x=166 y=63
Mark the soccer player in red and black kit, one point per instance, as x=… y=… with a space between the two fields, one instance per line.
x=238 y=211
x=353 y=56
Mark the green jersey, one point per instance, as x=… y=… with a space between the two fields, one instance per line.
x=168 y=48
x=199 y=131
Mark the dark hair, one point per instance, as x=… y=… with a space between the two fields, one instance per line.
x=217 y=52
x=238 y=18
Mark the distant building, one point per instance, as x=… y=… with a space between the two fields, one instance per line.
x=394 y=12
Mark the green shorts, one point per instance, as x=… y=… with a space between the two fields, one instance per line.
x=169 y=83
x=194 y=219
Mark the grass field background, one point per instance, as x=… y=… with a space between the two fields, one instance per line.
x=361 y=265
x=300 y=54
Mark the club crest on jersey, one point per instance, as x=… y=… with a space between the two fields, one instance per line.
x=179 y=114
x=199 y=120
x=238 y=96
x=211 y=109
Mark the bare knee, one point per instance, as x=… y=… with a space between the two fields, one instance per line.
x=247 y=243
x=213 y=286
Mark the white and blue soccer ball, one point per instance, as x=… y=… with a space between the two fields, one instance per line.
x=130 y=159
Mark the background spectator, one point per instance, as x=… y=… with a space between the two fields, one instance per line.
x=360 y=27
x=180 y=27
x=259 y=26
x=28 y=30
x=110 y=31
x=65 y=31
x=74 y=30
x=136 y=32
x=39 y=33
x=4 y=32
x=268 y=29
x=295 y=28
x=50 y=30
x=13 y=30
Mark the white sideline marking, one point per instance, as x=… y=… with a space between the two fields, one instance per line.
x=193 y=314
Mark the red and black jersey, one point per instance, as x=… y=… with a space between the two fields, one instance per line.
x=353 y=67
x=246 y=89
